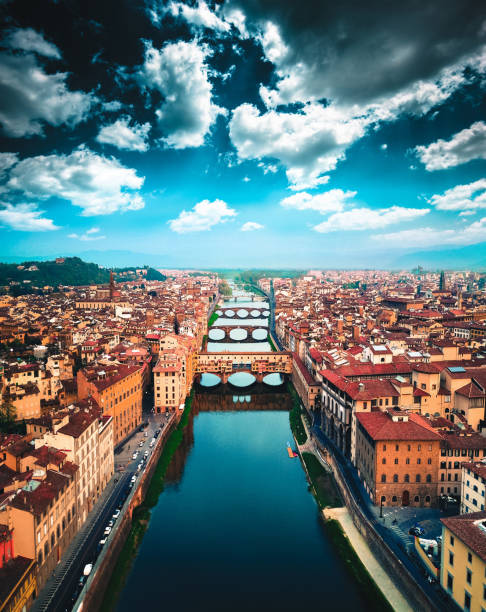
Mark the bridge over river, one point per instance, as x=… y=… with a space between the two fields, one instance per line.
x=225 y=364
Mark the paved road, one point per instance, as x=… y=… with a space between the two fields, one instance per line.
x=61 y=590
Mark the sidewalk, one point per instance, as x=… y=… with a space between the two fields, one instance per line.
x=375 y=569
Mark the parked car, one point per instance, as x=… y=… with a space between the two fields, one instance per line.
x=145 y=434
x=139 y=466
x=111 y=523
x=116 y=514
x=416 y=531
x=102 y=542
x=135 y=455
x=133 y=479
x=107 y=531
x=141 y=443
x=152 y=442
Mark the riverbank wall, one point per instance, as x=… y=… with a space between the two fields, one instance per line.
x=416 y=597
x=91 y=597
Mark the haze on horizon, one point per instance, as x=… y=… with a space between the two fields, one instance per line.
x=244 y=133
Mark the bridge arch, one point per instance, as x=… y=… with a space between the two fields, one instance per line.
x=241 y=379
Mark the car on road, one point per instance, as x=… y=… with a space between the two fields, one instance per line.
x=107 y=531
x=145 y=435
x=146 y=453
x=416 y=531
x=152 y=442
x=116 y=514
x=102 y=542
x=141 y=443
x=133 y=479
x=111 y=523
x=135 y=455
x=139 y=466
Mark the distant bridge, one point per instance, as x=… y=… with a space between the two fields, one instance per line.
x=232 y=333
x=243 y=313
x=258 y=364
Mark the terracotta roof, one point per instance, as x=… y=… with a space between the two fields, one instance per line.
x=476 y=467
x=468 y=528
x=381 y=426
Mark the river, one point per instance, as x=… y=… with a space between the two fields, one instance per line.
x=236 y=527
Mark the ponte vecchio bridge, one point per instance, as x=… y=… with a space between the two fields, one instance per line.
x=258 y=364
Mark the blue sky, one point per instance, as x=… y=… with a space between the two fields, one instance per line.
x=247 y=133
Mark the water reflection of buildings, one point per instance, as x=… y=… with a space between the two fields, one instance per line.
x=223 y=400
x=229 y=400
x=178 y=462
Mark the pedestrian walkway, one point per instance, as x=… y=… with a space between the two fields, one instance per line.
x=375 y=569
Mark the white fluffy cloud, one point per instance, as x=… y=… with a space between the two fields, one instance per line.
x=97 y=184
x=308 y=144
x=89 y=235
x=199 y=15
x=428 y=236
x=330 y=201
x=122 y=135
x=31 y=96
x=7 y=160
x=28 y=39
x=462 y=197
x=178 y=71
x=25 y=218
x=366 y=218
x=202 y=217
x=251 y=226
x=463 y=147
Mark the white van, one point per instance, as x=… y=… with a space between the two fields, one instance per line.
x=152 y=442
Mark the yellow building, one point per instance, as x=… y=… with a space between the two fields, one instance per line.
x=463 y=564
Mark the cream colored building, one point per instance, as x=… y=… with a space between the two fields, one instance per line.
x=463 y=562
x=473 y=487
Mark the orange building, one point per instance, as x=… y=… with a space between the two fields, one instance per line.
x=397 y=458
x=118 y=391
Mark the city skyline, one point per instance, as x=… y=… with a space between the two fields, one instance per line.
x=244 y=134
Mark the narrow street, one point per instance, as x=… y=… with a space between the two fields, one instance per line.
x=63 y=587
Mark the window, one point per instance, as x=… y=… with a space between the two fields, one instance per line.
x=467 y=601
x=384 y=447
x=419 y=447
x=394 y=499
x=383 y=478
x=407 y=478
x=451 y=540
x=451 y=558
x=450 y=582
x=383 y=461
x=428 y=478
x=469 y=557
x=396 y=461
x=468 y=576
x=396 y=447
x=395 y=477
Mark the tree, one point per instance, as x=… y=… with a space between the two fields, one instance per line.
x=8 y=413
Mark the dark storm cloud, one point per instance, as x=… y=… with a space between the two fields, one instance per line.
x=359 y=51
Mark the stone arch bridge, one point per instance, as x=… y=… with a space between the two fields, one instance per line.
x=258 y=364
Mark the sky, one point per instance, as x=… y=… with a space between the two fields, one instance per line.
x=256 y=133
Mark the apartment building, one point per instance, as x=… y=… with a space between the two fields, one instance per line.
x=397 y=457
x=473 y=487
x=118 y=391
x=463 y=560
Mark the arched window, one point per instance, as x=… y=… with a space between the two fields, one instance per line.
x=427 y=499
x=383 y=498
x=383 y=461
x=428 y=478
x=394 y=499
x=417 y=478
x=407 y=477
x=46 y=550
x=395 y=477
x=383 y=478
x=416 y=499
x=39 y=558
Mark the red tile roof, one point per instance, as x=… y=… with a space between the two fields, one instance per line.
x=381 y=426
